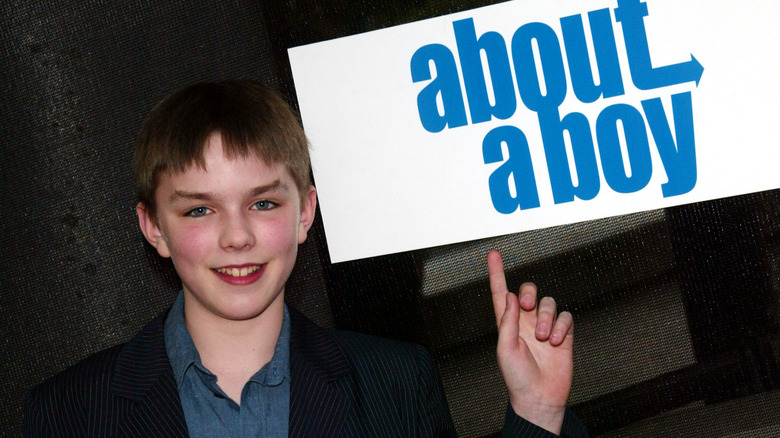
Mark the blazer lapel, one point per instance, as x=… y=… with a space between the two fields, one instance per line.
x=144 y=376
x=321 y=385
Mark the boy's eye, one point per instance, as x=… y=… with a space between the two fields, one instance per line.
x=198 y=211
x=263 y=205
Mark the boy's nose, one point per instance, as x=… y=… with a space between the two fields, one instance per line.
x=236 y=233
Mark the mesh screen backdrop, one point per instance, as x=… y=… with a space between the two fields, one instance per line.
x=676 y=310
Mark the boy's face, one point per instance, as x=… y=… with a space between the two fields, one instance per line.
x=232 y=231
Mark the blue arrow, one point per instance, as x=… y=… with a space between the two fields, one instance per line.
x=631 y=13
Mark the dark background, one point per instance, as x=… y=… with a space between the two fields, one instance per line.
x=676 y=310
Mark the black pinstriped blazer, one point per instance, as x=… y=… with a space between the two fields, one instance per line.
x=342 y=384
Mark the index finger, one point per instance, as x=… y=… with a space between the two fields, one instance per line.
x=498 y=286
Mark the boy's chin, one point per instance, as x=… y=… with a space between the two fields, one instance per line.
x=237 y=310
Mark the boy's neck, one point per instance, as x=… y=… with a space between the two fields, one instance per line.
x=234 y=348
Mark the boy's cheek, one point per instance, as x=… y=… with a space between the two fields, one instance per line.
x=191 y=243
x=280 y=235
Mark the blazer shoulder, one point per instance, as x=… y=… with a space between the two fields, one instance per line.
x=84 y=398
x=387 y=385
x=365 y=354
x=66 y=395
x=93 y=371
x=389 y=354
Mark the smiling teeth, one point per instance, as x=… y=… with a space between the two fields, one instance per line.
x=236 y=272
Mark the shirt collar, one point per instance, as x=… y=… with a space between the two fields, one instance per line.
x=182 y=353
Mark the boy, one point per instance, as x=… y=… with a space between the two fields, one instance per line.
x=223 y=176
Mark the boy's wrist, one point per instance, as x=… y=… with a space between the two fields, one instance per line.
x=547 y=417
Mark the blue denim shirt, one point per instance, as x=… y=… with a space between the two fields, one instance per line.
x=209 y=412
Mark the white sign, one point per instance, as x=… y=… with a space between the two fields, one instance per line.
x=533 y=113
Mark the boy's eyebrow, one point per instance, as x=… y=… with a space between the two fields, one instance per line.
x=181 y=195
x=276 y=185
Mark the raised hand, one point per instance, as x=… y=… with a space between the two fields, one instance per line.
x=534 y=349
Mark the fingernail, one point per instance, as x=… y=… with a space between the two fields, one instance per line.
x=543 y=329
x=527 y=300
x=555 y=338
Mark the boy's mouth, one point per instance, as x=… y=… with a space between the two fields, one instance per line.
x=238 y=272
x=239 y=275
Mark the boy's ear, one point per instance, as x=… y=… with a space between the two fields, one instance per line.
x=151 y=230
x=308 y=210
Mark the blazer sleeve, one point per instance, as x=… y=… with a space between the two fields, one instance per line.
x=516 y=426
x=432 y=412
